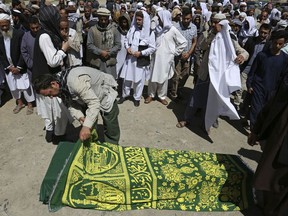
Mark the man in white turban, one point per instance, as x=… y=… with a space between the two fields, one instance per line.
x=14 y=66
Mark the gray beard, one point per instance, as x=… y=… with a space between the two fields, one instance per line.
x=7 y=34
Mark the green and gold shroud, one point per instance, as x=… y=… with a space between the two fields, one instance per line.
x=105 y=176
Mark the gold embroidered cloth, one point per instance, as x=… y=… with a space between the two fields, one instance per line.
x=104 y=176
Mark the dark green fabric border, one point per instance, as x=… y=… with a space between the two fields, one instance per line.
x=60 y=164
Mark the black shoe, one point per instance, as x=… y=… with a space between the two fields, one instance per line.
x=136 y=103
x=57 y=139
x=49 y=136
x=121 y=100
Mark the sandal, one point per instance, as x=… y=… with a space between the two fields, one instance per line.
x=182 y=124
x=29 y=110
x=18 y=108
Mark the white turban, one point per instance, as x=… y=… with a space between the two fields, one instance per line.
x=4 y=16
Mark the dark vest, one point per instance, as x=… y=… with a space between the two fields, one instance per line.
x=40 y=65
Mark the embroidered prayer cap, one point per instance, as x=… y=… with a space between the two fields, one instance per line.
x=4 y=16
x=103 y=12
x=219 y=16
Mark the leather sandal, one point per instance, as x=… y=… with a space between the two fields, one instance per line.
x=18 y=108
x=164 y=102
x=29 y=110
x=148 y=100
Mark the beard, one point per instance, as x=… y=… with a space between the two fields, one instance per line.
x=7 y=34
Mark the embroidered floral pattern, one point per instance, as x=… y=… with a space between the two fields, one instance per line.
x=104 y=176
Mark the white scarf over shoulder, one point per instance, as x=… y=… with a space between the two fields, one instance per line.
x=224 y=77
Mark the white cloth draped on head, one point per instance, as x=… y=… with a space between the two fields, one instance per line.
x=4 y=8
x=275 y=14
x=224 y=76
x=166 y=18
x=145 y=32
x=252 y=31
x=4 y=16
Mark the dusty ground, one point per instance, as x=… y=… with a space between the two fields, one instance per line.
x=25 y=156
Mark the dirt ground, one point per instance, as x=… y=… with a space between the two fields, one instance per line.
x=25 y=156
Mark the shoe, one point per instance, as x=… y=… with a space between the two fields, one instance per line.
x=121 y=100
x=136 y=103
x=164 y=102
x=216 y=124
x=49 y=136
x=148 y=100
x=18 y=108
x=29 y=110
x=57 y=139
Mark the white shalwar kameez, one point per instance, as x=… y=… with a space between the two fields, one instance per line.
x=18 y=82
x=130 y=72
x=169 y=43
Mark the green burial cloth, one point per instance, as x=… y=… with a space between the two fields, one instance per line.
x=105 y=176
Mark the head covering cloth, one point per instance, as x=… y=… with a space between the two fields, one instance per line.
x=50 y=20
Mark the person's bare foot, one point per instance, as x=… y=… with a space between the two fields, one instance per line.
x=182 y=124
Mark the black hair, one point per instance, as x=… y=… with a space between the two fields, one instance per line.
x=139 y=13
x=186 y=11
x=266 y=26
x=279 y=34
x=33 y=20
x=43 y=82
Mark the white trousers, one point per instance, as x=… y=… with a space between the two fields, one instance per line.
x=138 y=88
x=28 y=94
x=159 y=88
x=54 y=113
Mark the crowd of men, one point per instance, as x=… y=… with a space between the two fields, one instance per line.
x=74 y=58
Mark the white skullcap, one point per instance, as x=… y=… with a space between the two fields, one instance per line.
x=219 y=16
x=176 y=1
x=4 y=16
x=139 y=5
x=71 y=3
x=243 y=4
x=243 y=14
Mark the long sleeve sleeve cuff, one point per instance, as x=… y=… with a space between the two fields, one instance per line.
x=88 y=123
